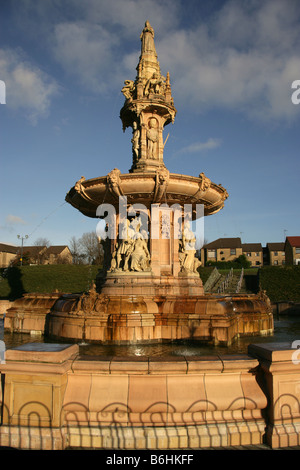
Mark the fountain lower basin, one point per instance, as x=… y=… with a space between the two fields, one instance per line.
x=141 y=318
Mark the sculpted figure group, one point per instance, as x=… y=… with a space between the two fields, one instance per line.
x=187 y=251
x=131 y=251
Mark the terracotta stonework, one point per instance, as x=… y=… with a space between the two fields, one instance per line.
x=279 y=375
x=54 y=399
x=150 y=289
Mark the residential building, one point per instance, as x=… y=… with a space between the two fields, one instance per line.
x=223 y=249
x=58 y=255
x=48 y=255
x=275 y=254
x=253 y=253
x=35 y=255
x=292 y=250
x=7 y=254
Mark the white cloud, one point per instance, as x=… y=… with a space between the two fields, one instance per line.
x=84 y=51
x=244 y=59
x=128 y=16
x=197 y=147
x=27 y=87
x=93 y=49
x=14 y=220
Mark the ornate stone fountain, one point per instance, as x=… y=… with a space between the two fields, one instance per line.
x=150 y=288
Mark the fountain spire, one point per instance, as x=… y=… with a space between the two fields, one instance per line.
x=148 y=107
x=148 y=64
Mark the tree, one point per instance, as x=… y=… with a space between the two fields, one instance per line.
x=89 y=245
x=242 y=260
x=42 y=242
x=39 y=254
x=75 y=250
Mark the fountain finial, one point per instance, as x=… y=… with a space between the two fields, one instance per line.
x=148 y=107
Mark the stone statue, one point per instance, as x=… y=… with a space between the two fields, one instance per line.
x=113 y=263
x=155 y=84
x=205 y=182
x=80 y=189
x=135 y=141
x=124 y=248
x=114 y=182
x=139 y=256
x=131 y=253
x=161 y=183
x=147 y=38
x=152 y=139
x=188 y=250
x=128 y=89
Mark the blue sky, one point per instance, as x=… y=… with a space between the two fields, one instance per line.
x=231 y=64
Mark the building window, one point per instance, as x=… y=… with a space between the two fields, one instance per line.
x=257 y=254
x=211 y=253
x=249 y=254
x=232 y=251
x=297 y=251
x=275 y=253
x=275 y=262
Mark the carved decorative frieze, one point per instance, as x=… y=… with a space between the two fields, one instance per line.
x=114 y=182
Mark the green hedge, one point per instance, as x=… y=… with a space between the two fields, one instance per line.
x=238 y=263
x=205 y=272
x=46 y=279
x=281 y=282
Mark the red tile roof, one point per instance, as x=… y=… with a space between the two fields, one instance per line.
x=293 y=241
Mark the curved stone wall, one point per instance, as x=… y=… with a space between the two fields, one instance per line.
x=55 y=399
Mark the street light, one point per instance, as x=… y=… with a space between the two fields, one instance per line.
x=22 y=238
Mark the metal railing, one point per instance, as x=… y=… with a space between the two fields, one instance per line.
x=239 y=284
x=226 y=281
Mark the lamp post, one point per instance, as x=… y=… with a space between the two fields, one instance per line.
x=22 y=238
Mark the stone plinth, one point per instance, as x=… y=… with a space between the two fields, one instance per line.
x=149 y=285
x=28 y=314
x=165 y=404
x=34 y=377
x=55 y=399
x=280 y=378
